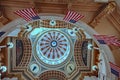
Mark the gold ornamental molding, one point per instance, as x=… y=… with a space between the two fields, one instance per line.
x=3 y=19
x=106 y=11
x=115 y=19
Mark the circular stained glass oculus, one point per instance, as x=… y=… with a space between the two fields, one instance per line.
x=53 y=47
x=53 y=43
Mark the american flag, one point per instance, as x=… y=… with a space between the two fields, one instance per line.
x=107 y=39
x=72 y=17
x=28 y=14
x=115 y=69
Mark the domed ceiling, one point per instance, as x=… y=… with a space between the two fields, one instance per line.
x=50 y=49
x=52 y=46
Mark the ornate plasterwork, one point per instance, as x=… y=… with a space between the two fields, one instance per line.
x=106 y=11
x=53 y=47
x=115 y=19
x=80 y=24
x=3 y=19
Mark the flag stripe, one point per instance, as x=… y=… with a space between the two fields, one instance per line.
x=115 y=72
x=31 y=12
x=22 y=15
x=28 y=14
x=72 y=16
x=79 y=17
x=16 y=12
x=76 y=17
x=115 y=69
x=113 y=65
x=66 y=15
x=110 y=40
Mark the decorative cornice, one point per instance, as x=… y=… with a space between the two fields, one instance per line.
x=3 y=20
x=106 y=11
x=115 y=20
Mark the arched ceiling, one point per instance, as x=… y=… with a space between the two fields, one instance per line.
x=92 y=10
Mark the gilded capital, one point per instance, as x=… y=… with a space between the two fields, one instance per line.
x=110 y=7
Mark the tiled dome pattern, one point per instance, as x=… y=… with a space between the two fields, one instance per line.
x=54 y=47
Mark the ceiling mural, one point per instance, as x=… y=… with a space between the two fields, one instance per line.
x=52 y=48
x=44 y=49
